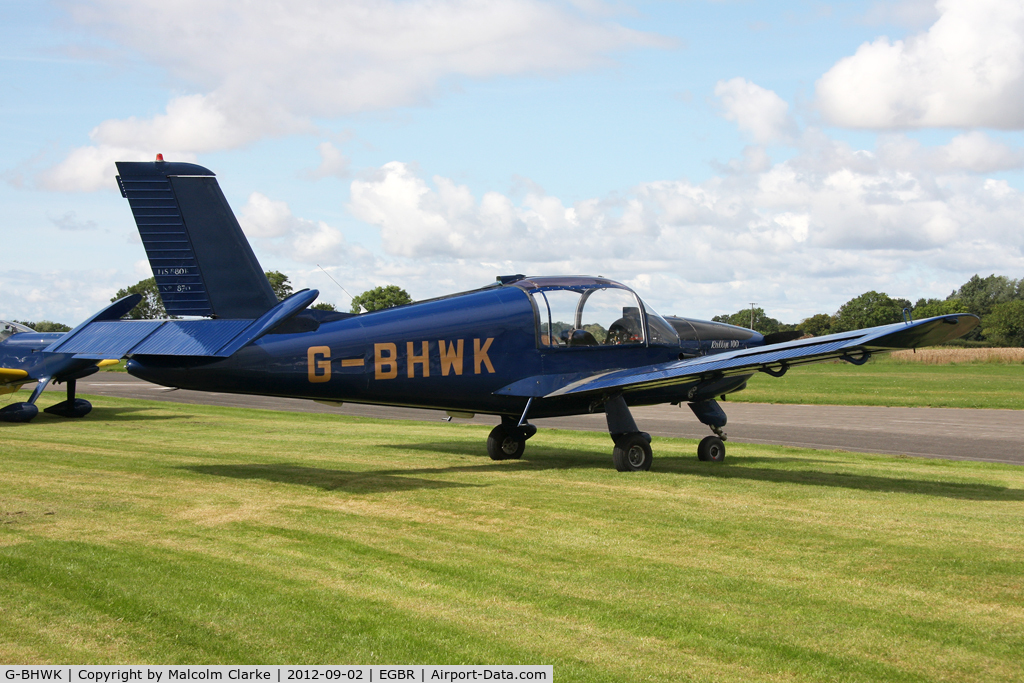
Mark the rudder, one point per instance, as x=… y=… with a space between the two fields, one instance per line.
x=201 y=260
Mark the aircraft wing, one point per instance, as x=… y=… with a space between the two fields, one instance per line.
x=855 y=346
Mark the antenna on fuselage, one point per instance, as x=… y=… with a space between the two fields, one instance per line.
x=336 y=282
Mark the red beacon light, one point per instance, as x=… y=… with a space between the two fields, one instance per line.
x=159 y=157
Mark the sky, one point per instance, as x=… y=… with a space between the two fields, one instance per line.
x=708 y=154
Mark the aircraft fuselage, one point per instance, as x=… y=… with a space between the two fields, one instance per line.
x=450 y=354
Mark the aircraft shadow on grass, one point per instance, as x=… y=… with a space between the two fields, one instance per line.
x=860 y=482
x=542 y=458
x=121 y=414
x=328 y=479
x=546 y=458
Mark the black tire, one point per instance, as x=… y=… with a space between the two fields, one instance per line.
x=18 y=412
x=78 y=407
x=506 y=444
x=632 y=453
x=711 y=449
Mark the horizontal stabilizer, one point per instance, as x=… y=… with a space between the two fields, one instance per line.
x=192 y=338
x=112 y=312
x=854 y=346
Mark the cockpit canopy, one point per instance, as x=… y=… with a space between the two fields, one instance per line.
x=7 y=328
x=574 y=312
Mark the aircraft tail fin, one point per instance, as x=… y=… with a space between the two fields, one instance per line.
x=202 y=261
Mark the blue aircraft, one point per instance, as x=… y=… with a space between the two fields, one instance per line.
x=22 y=361
x=521 y=348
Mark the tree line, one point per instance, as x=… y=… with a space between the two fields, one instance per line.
x=996 y=299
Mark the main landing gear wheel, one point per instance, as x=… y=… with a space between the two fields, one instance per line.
x=18 y=412
x=505 y=443
x=73 y=407
x=711 y=449
x=633 y=453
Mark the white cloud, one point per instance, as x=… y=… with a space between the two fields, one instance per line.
x=88 y=169
x=967 y=70
x=974 y=151
x=192 y=124
x=910 y=13
x=264 y=68
x=327 y=58
x=848 y=219
x=143 y=269
x=276 y=230
x=758 y=112
x=447 y=220
x=70 y=221
x=62 y=296
x=332 y=163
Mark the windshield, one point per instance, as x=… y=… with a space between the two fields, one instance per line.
x=8 y=328
x=597 y=316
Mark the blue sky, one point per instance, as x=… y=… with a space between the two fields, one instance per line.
x=710 y=154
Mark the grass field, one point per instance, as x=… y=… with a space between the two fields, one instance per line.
x=162 y=533
x=891 y=382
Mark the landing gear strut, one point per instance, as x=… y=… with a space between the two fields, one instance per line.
x=632 y=452
x=507 y=441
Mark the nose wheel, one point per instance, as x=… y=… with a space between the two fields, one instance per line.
x=711 y=449
x=507 y=441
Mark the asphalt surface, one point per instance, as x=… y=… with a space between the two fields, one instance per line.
x=982 y=435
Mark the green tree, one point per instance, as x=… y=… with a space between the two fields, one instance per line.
x=1005 y=324
x=279 y=283
x=762 y=323
x=817 y=325
x=45 y=326
x=869 y=310
x=324 y=306
x=980 y=295
x=379 y=298
x=150 y=307
x=929 y=308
